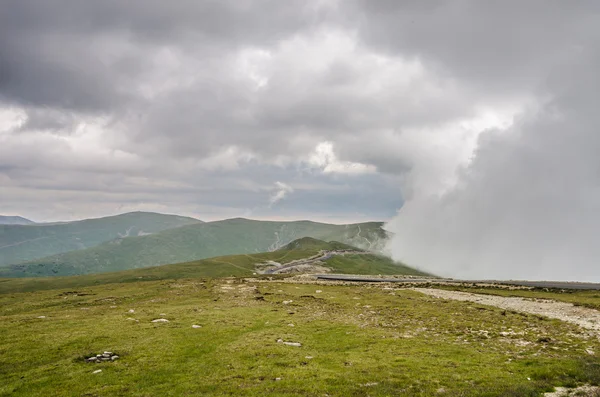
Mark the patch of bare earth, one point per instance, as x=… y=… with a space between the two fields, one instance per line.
x=590 y=391
x=582 y=316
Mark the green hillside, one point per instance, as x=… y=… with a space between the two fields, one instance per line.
x=20 y=243
x=197 y=241
x=223 y=266
x=313 y=244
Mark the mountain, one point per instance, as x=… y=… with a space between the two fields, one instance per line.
x=196 y=241
x=14 y=220
x=20 y=243
x=225 y=266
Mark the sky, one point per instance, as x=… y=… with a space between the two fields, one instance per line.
x=470 y=126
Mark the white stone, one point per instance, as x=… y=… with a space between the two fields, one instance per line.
x=131 y=311
x=160 y=320
x=132 y=319
x=287 y=302
x=41 y=316
x=196 y=326
x=297 y=344
x=115 y=357
x=318 y=291
x=97 y=371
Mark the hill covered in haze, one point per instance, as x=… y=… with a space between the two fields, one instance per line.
x=20 y=243
x=196 y=241
x=14 y=220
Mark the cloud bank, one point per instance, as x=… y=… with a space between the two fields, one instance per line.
x=475 y=119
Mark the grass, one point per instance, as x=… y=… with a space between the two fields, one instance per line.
x=193 y=242
x=356 y=341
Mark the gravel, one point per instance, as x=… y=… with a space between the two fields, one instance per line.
x=582 y=316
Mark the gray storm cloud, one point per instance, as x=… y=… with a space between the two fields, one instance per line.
x=478 y=118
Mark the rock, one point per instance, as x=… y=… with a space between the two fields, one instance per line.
x=318 y=291
x=92 y=359
x=590 y=352
x=132 y=319
x=99 y=355
x=106 y=355
x=109 y=353
x=291 y=325
x=277 y=379
x=104 y=358
x=196 y=326
x=97 y=371
x=41 y=316
x=131 y=311
x=160 y=320
x=287 y=302
x=297 y=344
x=115 y=357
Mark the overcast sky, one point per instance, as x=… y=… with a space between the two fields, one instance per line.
x=481 y=116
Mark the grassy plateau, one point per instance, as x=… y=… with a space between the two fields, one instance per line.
x=355 y=341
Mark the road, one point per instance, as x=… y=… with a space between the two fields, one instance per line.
x=323 y=256
x=523 y=283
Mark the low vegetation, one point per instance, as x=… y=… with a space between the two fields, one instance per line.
x=354 y=341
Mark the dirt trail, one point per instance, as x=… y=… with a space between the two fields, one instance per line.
x=584 y=317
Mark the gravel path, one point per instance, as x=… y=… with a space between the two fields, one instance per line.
x=584 y=317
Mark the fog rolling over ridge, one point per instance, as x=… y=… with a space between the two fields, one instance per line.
x=527 y=205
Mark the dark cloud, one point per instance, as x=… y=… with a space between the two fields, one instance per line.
x=480 y=114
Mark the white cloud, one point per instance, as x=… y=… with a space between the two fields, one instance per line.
x=325 y=159
x=282 y=190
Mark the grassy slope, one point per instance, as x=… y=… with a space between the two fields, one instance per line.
x=204 y=240
x=223 y=266
x=356 y=341
x=20 y=243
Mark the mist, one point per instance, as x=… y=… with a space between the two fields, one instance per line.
x=527 y=204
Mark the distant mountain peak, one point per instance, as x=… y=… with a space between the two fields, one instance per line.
x=14 y=220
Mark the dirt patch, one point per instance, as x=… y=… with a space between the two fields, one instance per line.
x=591 y=391
x=582 y=316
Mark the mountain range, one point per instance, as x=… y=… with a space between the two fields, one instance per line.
x=21 y=243
x=192 y=241
x=246 y=265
